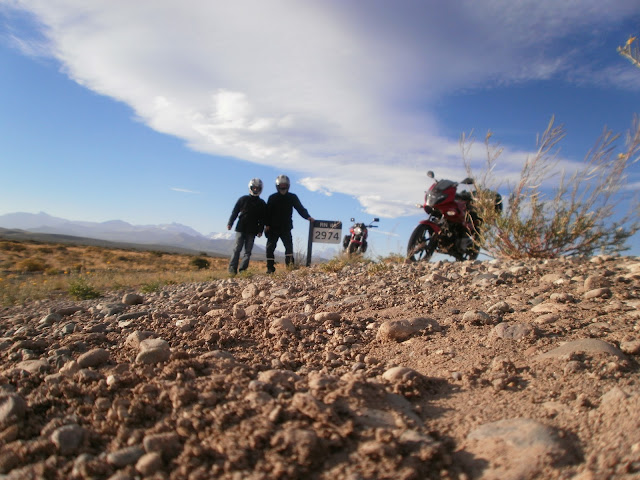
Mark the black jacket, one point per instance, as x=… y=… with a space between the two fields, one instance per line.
x=252 y=211
x=280 y=209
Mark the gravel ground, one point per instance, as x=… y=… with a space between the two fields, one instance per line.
x=486 y=369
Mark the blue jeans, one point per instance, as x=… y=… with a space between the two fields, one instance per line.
x=243 y=240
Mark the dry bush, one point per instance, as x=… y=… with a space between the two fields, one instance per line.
x=580 y=215
x=32 y=265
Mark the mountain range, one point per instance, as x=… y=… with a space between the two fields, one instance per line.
x=117 y=231
x=171 y=237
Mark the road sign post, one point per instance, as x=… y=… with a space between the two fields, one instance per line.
x=323 y=231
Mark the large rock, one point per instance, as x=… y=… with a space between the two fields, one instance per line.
x=514 y=449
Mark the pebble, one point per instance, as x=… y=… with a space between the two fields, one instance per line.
x=476 y=317
x=12 y=409
x=592 y=345
x=132 y=299
x=153 y=350
x=597 y=293
x=125 y=456
x=166 y=444
x=149 y=463
x=93 y=358
x=401 y=330
x=280 y=325
x=68 y=438
x=324 y=316
x=513 y=331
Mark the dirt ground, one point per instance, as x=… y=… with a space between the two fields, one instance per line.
x=487 y=369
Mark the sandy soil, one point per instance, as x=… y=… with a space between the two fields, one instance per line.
x=495 y=370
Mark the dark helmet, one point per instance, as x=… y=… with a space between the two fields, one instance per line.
x=283 y=182
x=255 y=187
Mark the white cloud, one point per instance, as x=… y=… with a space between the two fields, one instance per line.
x=316 y=87
x=184 y=190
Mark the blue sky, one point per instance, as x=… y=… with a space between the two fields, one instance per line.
x=156 y=112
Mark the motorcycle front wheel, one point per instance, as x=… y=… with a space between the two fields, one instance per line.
x=353 y=248
x=422 y=244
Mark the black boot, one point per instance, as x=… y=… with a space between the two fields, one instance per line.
x=271 y=266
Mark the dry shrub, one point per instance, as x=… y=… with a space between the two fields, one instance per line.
x=580 y=215
x=32 y=265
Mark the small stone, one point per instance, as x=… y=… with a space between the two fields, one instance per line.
x=324 y=316
x=630 y=347
x=582 y=345
x=153 y=344
x=547 y=318
x=597 y=293
x=93 y=358
x=513 y=331
x=12 y=409
x=250 y=291
x=476 y=317
x=134 y=339
x=239 y=312
x=399 y=374
x=132 y=299
x=500 y=308
x=68 y=438
x=401 y=330
x=153 y=355
x=125 y=456
x=51 y=319
x=280 y=325
x=149 y=463
x=166 y=444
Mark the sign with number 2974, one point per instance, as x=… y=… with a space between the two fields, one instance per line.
x=326 y=231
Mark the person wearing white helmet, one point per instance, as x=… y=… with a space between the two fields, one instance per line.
x=279 y=221
x=251 y=212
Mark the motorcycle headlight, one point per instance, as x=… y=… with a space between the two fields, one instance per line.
x=357 y=230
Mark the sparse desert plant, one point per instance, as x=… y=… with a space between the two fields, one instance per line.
x=378 y=268
x=200 y=263
x=32 y=265
x=576 y=215
x=12 y=246
x=334 y=265
x=392 y=258
x=151 y=287
x=81 y=289
x=99 y=266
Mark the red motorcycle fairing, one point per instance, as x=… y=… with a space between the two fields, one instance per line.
x=435 y=226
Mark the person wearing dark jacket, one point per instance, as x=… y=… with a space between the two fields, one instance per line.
x=279 y=222
x=252 y=212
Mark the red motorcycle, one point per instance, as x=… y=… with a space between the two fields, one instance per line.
x=452 y=226
x=356 y=241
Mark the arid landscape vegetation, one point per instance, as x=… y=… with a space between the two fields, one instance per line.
x=31 y=270
x=510 y=369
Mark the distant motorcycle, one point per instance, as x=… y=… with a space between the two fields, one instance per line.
x=356 y=241
x=452 y=224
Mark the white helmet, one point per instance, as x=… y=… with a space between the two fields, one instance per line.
x=255 y=187
x=282 y=182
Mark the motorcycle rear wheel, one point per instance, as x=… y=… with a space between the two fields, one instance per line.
x=422 y=244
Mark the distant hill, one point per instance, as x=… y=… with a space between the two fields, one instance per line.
x=171 y=237
x=26 y=236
